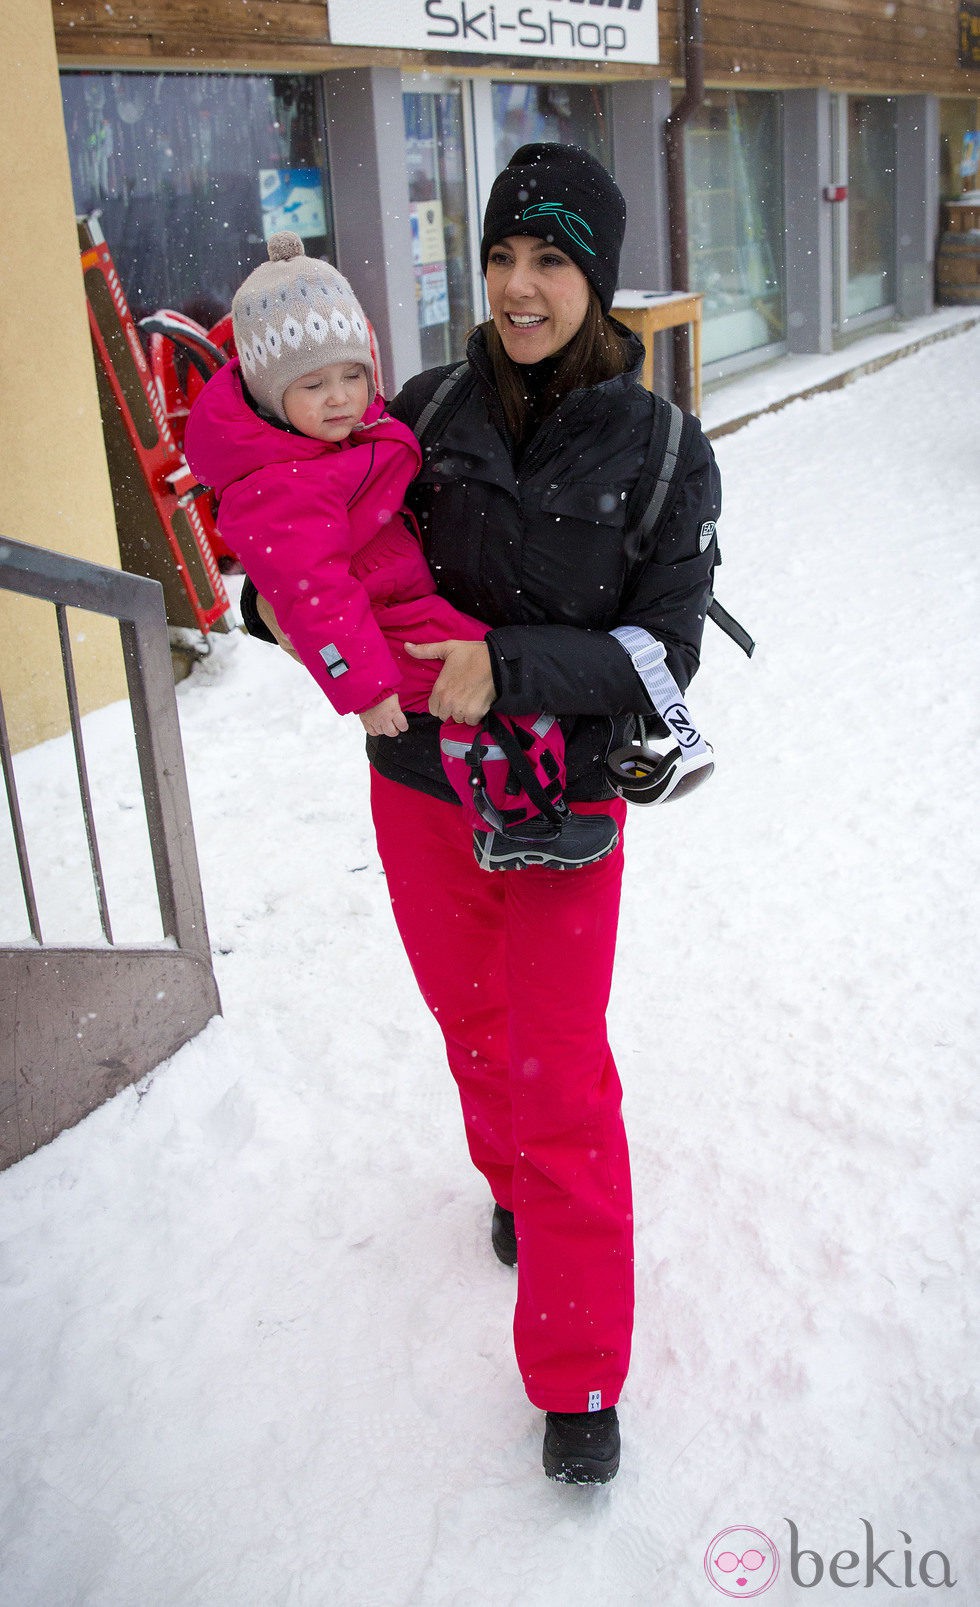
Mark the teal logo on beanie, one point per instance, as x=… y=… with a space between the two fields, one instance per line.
x=571 y=222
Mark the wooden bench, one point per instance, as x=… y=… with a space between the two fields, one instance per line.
x=647 y=312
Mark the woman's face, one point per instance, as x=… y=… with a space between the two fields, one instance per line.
x=538 y=297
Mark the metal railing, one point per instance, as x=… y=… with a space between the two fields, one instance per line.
x=59 y=1059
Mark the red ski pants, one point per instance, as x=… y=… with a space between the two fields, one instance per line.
x=516 y=968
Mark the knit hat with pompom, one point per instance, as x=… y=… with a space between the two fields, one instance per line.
x=292 y=315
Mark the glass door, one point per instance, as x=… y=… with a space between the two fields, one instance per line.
x=436 y=146
x=458 y=135
x=734 y=201
x=863 y=158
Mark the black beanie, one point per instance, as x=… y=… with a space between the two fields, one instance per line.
x=562 y=194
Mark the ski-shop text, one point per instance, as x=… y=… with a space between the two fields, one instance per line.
x=492 y=24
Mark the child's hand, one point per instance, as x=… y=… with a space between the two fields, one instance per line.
x=385 y=719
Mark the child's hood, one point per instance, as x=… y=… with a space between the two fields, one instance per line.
x=225 y=439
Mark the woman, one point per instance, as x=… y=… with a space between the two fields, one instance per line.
x=522 y=503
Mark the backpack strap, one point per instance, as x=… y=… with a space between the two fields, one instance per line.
x=442 y=404
x=651 y=502
x=652 y=486
x=669 y=452
x=731 y=627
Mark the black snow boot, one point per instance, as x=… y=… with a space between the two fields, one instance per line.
x=582 y=1447
x=503 y=1236
x=579 y=840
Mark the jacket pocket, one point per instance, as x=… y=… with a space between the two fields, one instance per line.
x=470 y=526
x=574 y=561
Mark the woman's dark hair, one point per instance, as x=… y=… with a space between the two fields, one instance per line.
x=595 y=353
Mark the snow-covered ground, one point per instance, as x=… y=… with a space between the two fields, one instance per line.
x=255 y=1348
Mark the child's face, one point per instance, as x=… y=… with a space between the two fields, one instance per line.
x=327 y=403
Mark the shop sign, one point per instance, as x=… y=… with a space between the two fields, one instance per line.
x=569 y=30
x=969 y=25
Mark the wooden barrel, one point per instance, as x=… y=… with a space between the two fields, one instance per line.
x=959 y=217
x=958 y=269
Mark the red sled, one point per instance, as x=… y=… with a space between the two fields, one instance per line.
x=183 y=355
x=164 y=519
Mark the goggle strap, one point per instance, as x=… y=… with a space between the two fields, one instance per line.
x=649 y=660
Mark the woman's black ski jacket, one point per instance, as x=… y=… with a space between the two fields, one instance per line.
x=541 y=553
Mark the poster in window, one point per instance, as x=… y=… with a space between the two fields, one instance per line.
x=292 y=198
x=428 y=235
x=432 y=287
x=969 y=28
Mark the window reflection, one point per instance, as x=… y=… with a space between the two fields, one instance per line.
x=566 y=114
x=440 y=233
x=733 y=161
x=870 y=204
x=190 y=171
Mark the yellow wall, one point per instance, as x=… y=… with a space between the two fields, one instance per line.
x=54 y=485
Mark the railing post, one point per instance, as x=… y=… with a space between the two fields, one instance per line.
x=149 y=674
x=59 y=1057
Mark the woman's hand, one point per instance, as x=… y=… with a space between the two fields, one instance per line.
x=266 y=614
x=465 y=689
x=385 y=719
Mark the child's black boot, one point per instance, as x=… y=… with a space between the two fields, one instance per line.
x=582 y=1447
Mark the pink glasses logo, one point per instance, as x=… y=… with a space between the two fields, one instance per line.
x=741 y=1562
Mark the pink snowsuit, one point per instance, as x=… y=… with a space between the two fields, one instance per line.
x=322 y=530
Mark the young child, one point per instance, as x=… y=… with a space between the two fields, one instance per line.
x=311 y=474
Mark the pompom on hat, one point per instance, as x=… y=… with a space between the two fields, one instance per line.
x=294 y=314
x=560 y=193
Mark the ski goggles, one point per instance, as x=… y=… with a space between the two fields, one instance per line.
x=642 y=774
x=646 y=773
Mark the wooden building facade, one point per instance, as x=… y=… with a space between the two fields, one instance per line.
x=814 y=169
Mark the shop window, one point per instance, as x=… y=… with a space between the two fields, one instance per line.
x=566 y=114
x=959 y=146
x=870 y=281
x=191 y=172
x=734 y=188
x=435 y=152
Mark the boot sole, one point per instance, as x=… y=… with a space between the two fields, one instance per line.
x=579 y=1470
x=527 y=858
